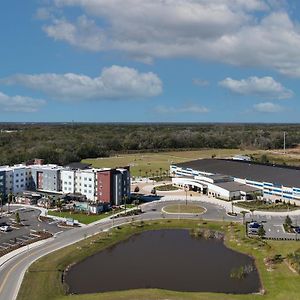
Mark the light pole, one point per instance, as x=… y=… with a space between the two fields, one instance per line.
x=186 y=190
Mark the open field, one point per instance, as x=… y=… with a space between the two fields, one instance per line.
x=44 y=276
x=184 y=209
x=152 y=164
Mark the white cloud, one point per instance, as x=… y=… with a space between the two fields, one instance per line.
x=200 y=82
x=20 y=103
x=113 y=83
x=190 y=108
x=227 y=31
x=265 y=87
x=268 y=107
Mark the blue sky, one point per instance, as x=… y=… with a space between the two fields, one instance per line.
x=149 y=61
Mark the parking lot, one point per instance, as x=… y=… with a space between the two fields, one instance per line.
x=274 y=227
x=28 y=229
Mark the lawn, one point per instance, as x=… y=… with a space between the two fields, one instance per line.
x=44 y=276
x=81 y=217
x=156 y=164
x=261 y=205
x=184 y=209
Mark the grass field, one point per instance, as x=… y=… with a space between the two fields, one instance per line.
x=184 y=209
x=155 y=163
x=43 y=280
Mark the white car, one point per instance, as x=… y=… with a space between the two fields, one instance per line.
x=4 y=228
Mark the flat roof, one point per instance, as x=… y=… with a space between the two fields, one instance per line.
x=278 y=175
x=234 y=186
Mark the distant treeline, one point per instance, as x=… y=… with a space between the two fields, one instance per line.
x=64 y=143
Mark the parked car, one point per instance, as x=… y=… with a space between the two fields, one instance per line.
x=253 y=227
x=297 y=229
x=4 y=228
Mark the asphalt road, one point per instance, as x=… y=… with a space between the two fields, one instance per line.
x=12 y=271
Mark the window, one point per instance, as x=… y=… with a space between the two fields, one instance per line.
x=90 y=179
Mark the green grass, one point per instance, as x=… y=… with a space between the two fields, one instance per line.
x=166 y=187
x=81 y=217
x=43 y=280
x=182 y=208
x=157 y=163
x=260 y=205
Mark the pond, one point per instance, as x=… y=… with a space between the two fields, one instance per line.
x=166 y=259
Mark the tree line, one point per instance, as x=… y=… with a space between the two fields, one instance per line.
x=65 y=143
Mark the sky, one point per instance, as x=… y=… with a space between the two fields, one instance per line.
x=150 y=61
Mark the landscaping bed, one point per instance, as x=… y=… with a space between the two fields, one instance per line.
x=264 y=205
x=166 y=187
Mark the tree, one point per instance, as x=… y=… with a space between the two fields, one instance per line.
x=288 y=222
x=59 y=204
x=125 y=197
x=140 y=172
x=261 y=231
x=244 y=212
x=136 y=189
x=252 y=212
x=153 y=191
x=9 y=201
x=160 y=172
x=1 y=201
x=18 y=220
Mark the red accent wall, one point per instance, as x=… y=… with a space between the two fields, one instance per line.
x=39 y=180
x=104 y=183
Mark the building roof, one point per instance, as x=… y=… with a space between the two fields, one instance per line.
x=78 y=165
x=278 y=175
x=234 y=186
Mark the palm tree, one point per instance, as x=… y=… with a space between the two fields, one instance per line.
x=160 y=172
x=244 y=212
x=125 y=197
x=10 y=200
x=1 y=201
x=140 y=171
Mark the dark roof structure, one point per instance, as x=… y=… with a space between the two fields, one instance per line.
x=234 y=186
x=78 y=165
x=278 y=175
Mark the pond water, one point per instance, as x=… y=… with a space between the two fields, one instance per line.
x=167 y=259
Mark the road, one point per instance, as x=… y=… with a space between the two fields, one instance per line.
x=13 y=270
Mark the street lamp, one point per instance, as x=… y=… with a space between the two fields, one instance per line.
x=186 y=191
